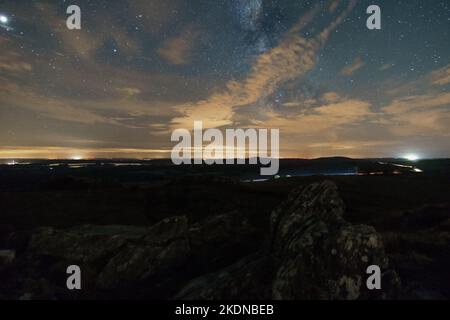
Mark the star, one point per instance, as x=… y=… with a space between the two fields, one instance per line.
x=4 y=19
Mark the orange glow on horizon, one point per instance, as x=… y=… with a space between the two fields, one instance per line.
x=53 y=153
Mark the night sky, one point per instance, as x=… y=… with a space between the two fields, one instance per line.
x=138 y=69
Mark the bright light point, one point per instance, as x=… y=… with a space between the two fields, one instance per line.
x=77 y=158
x=4 y=19
x=412 y=157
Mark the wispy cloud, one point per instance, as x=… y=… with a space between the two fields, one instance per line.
x=386 y=66
x=427 y=114
x=11 y=61
x=156 y=15
x=350 y=69
x=418 y=108
x=441 y=76
x=323 y=119
x=292 y=58
x=178 y=50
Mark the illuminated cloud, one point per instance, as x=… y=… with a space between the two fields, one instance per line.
x=334 y=5
x=427 y=114
x=13 y=63
x=331 y=96
x=419 y=102
x=52 y=152
x=129 y=92
x=292 y=58
x=441 y=77
x=325 y=119
x=351 y=144
x=352 y=67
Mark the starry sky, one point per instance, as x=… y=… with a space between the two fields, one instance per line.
x=139 y=69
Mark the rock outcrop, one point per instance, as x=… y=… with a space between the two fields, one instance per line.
x=310 y=252
x=164 y=248
x=317 y=254
x=118 y=257
x=117 y=260
x=221 y=240
x=314 y=254
x=7 y=258
x=247 y=279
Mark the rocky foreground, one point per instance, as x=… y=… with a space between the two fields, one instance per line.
x=310 y=252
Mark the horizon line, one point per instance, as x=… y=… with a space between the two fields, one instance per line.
x=236 y=158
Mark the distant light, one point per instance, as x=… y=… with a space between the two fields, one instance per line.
x=4 y=19
x=77 y=158
x=412 y=157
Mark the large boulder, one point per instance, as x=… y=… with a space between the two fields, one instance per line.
x=318 y=255
x=116 y=257
x=164 y=248
x=313 y=254
x=220 y=240
x=151 y=262
x=248 y=278
x=85 y=244
x=7 y=258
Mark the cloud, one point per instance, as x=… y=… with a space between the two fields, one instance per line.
x=334 y=5
x=292 y=58
x=418 y=109
x=427 y=114
x=348 y=148
x=386 y=66
x=351 y=144
x=56 y=152
x=440 y=77
x=178 y=50
x=122 y=106
x=331 y=96
x=82 y=89
x=15 y=96
x=422 y=123
x=353 y=67
x=424 y=83
x=85 y=42
x=13 y=63
x=129 y=92
x=156 y=15
x=325 y=119
x=74 y=41
x=412 y=103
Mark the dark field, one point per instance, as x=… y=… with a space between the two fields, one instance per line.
x=411 y=211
